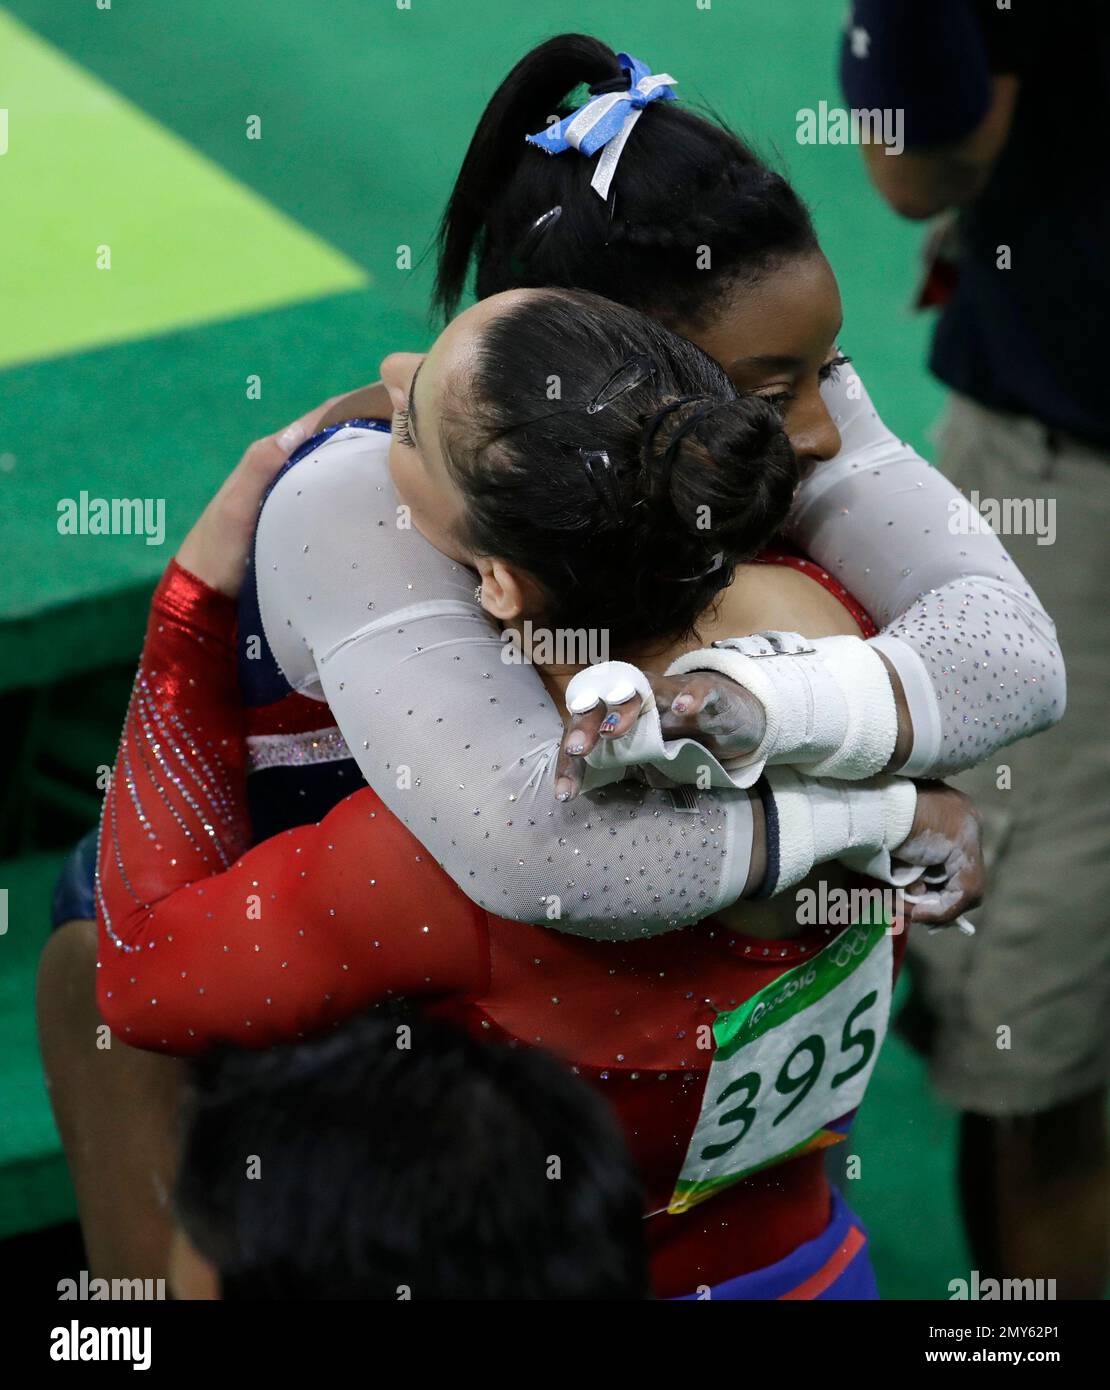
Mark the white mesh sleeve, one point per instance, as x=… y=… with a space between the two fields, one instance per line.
x=461 y=746
x=975 y=649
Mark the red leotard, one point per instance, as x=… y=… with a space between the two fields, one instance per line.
x=201 y=941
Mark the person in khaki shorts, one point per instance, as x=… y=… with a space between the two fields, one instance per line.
x=999 y=112
x=1021 y=1040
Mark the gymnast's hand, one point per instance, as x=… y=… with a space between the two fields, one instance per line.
x=945 y=842
x=218 y=547
x=703 y=706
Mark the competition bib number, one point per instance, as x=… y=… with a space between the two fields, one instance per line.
x=790 y=1062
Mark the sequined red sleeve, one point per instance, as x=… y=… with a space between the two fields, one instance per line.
x=199 y=940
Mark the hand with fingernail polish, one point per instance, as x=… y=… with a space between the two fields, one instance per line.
x=603 y=702
x=703 y=706
x=712 y=710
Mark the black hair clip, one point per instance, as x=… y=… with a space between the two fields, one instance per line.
x=598 y=467
x=633 y=372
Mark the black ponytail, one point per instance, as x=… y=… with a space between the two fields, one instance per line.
x=535 y=89
x=692 y=209
x=615 y=463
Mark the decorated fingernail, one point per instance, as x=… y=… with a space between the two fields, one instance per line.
x=681 y=704
x=563 y=789
x=576 y=747
x=609 y=723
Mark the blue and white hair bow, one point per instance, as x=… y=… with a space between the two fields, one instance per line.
x=605 y=122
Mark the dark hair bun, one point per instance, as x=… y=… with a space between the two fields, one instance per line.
x=631 y=494
x=725 y=471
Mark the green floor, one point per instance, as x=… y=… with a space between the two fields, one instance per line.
x=276 y=258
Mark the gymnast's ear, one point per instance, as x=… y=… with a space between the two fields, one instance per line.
x=508 y=593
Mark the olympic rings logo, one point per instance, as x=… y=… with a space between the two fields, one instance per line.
x=848 y=950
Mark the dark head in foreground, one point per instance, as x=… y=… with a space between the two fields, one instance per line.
x=399 y=1157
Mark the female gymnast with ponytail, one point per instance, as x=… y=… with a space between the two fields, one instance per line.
x=639 y=199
